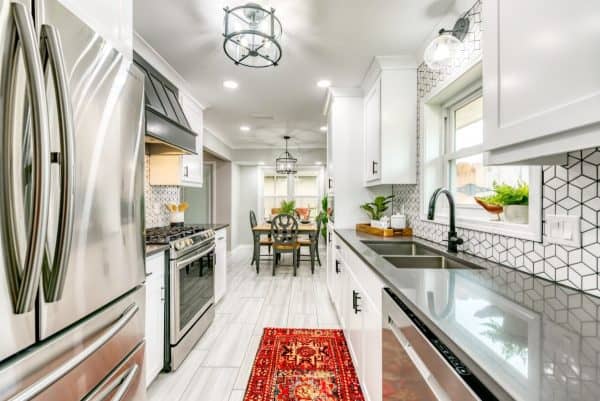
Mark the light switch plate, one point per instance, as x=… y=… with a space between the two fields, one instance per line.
x=563 y=230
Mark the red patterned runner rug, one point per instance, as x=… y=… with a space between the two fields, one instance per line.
x=303 y=365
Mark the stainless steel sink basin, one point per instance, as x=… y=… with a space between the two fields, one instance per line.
x=411 y=255
x=398 y=248
x=427 y=262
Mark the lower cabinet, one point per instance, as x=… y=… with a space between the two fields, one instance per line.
x=221 y=264
x=155 y=316
x=359 y=316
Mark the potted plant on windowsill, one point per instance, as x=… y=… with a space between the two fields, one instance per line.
x=514 y=201
x=377 y=208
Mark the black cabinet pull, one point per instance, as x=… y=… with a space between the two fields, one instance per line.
x=355 y=298
x=330 y=183
x=185 y=171
x=329 y=237
x=337 y=266
x=374 y=164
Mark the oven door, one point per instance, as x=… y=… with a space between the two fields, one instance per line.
x=192 y=289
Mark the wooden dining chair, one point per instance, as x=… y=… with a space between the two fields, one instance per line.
x=262 y=241
x=312 y=243
x=284 y=233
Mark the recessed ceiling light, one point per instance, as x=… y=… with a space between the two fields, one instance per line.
x=318 y=163
x=324 y=83
x=261 y=163
x=323 y=128
x=230 y=84
x=244 y=128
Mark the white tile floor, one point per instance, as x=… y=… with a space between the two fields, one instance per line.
x=219 y=366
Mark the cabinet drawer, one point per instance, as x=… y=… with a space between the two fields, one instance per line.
x=370 y=281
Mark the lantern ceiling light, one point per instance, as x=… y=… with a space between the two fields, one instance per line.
x=444 y=48
x=286 y=164
x=252 y=36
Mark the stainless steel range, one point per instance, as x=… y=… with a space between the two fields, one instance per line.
x=190 y=286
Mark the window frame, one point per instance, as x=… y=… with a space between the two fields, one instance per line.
x=456 y=91
x=317 y=171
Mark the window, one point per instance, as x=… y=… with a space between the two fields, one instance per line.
x=306 y=191
x=305 y=188
x=467 y=175
x=453 y=156
x=275 y=190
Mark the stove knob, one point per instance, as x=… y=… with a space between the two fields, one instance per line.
x=189 y=241
x=179 y=245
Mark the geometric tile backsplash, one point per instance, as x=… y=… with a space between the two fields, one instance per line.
x=155 y=199
x=573 y=189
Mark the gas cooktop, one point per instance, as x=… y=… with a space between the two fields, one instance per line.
x=168 y=234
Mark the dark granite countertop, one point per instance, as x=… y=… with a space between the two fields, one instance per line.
x=156 y=248
x=536 y=339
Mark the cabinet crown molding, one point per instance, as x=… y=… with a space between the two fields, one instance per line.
x=340 y=92
x=384 y=63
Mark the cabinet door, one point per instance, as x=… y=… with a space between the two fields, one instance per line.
x=353 y=318
x=372 y=134
x=541 y=76
x=191 y=170
x=155 y=334
x=221 y=264
x=372 y=353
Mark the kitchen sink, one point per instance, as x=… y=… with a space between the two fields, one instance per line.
x=398 y=248
x=411 y=255
x=427 y=262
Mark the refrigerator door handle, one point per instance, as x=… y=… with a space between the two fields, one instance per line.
x=121 y=385
x=35 y=389
x=24 y=276
x=54 y=272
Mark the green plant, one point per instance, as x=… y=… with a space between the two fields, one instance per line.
x=323 y=216
x=508 y=195
x=287 y=207
x=377 y=208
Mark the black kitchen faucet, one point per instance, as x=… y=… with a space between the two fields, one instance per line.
x=453 y=240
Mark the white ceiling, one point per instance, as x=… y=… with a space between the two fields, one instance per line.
x=323 y=39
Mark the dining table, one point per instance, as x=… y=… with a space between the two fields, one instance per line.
x=309 y=229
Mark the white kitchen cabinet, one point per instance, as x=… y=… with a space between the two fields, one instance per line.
x=221 y=264
x=390 y=122
x=344 y=109
x=155 y=315
x=372 y=140
x=541 y=80
x=351 y=284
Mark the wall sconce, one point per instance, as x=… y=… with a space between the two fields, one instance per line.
x=442 y=50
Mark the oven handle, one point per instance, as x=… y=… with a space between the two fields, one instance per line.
x=182 y=263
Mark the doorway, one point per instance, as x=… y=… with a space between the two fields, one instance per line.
x=201 y=200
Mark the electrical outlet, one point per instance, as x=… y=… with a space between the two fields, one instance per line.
x=563 y=230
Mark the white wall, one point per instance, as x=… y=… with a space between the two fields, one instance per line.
x=235 y=205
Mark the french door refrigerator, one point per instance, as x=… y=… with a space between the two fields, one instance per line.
x=71 y=210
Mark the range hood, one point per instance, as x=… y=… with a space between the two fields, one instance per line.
x=167 y=129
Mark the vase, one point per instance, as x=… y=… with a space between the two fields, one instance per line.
x=518 y=214
x=375 y=223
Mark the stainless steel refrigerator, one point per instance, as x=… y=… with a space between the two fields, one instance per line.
x=71 y=210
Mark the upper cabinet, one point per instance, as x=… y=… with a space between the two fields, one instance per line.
x=541 y=72
x=390 y=121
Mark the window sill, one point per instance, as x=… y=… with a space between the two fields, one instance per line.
x=522 y=231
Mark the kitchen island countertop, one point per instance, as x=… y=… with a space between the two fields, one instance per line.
x=536 y=339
